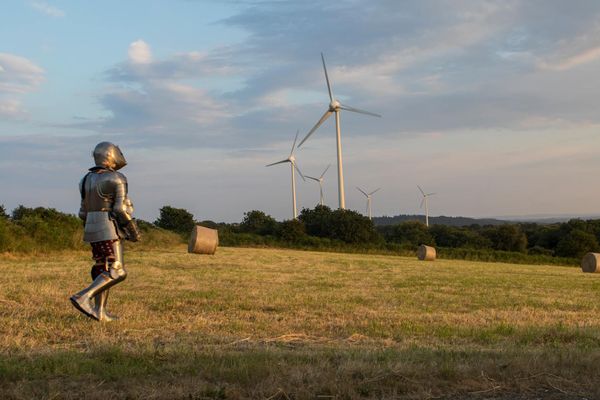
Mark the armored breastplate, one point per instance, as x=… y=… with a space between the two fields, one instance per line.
x=99 y=191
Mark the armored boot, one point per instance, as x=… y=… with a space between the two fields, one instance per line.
x=100 y=307
x=83 y=300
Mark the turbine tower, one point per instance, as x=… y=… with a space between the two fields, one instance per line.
x=335 y=107
x=425 y=197
x=292 y=160
x=369 y=197
x=320 y=180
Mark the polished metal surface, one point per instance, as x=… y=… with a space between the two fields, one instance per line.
x=99 y=227
x=107 y=212
x=104 y=202
x=116 y=273
x=108 y=155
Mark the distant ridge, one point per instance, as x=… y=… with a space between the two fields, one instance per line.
x=441 y=220
x=542 y=219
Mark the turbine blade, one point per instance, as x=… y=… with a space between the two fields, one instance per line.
x=362 y=191
x=278 y=162
x=318 y=124
x=422 y=201
x=294 y=145
x=375 y=191
x=300 y=172
x=323 y=174
x=312 y=177
x=421 y=190
x=431 y=194
x=356 y=110
x=327 y=78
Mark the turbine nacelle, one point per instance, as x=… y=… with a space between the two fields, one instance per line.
x=335 y=106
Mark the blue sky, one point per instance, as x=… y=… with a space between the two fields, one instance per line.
x=491 y=104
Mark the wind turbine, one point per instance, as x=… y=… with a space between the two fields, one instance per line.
x=425 y=196
x=320 y=180
x=335 y=107
x=369 y=196
x=292 y=160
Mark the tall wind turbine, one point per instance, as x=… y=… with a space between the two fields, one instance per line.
x=335 y=107
x=369 y=197
x=292 y=160
x=425 y=197
x=320 y=180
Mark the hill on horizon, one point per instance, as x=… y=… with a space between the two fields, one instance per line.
x=439 y=220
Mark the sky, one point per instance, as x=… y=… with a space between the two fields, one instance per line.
x=493 y=105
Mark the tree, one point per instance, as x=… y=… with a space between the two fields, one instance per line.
x=317 y=221
x=576 y=243
x=175 y=219
x=351 y=227
x=3 y=213
x=449 y=236
x=259 y=223
x=291 y=231
x=412 y=233
x=507 y=237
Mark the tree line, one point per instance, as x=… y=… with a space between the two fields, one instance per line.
x=321 y=228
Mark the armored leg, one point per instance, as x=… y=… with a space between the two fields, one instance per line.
x=100 y=307
x=98 y=290
x=101 y=298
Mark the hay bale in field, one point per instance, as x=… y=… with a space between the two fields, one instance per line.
x=203 y=240
x=591 y=262
x=426 y=253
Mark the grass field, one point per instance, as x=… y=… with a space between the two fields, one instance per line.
x=260 y=323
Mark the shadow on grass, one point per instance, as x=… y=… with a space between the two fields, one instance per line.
x=248 y=369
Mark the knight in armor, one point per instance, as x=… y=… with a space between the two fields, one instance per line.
x=107 y=212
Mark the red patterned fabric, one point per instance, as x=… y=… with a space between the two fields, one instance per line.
x=103 y=251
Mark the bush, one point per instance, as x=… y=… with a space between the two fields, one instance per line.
x=537 y=250
x=291 y=231
x=343 y=225
x=449 y=236
x=154 y=237
x=411 y=233
x=317 y=221
x=259 y=223
x=507 y=238
x=40 y=229
x=175 y=219
x=576 y=243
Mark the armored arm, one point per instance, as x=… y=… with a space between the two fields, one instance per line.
x=82 y=207
x=123 y=210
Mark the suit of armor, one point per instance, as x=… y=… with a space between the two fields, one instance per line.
x=107 y=212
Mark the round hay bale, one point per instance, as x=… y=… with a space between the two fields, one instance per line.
x=426 y=253
x=203 y=240
x=591 y=262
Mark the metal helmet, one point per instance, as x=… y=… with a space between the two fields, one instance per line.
x=109 y=156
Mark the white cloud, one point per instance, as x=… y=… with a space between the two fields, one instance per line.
x=567 y=63
x=11 y=108
x=139 y=52
x=18 y=76
x=47 y=9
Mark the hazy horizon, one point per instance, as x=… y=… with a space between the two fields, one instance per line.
x=490 y=104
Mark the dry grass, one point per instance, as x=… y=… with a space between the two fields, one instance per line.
x=288 y=324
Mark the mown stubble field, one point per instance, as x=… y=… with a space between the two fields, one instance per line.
x=263 y=323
